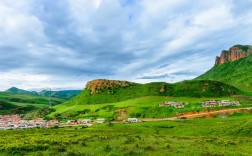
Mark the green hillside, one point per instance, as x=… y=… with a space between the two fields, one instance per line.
x=25 y=104
x=237 y=73
x=194 y=88
x=144 y=107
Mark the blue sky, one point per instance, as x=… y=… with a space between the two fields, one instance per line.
x=62 y=44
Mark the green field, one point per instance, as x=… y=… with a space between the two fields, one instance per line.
x=145 y=107
x=200 y=137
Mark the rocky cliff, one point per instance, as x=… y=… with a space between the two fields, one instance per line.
x=97 y=86
x=234 y=53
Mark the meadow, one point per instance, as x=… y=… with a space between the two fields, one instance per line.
x=144 y=107
x=203 y=137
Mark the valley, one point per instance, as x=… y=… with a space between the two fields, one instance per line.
x=209 y=115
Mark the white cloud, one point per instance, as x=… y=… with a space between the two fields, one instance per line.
x=66 y=39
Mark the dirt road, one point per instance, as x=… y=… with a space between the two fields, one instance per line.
x=196 y=115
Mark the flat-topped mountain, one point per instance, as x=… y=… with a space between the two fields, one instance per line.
x=97 y=86
x=234 y=53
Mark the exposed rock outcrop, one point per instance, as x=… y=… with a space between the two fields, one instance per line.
x=99 y=85
x=234 y=53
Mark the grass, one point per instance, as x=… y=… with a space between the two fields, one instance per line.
x=236 y=73
x=144 y=107
x=199 y=137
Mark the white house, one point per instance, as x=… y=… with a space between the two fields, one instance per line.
x=102 y=120
x=133 y=120
x=224 y=103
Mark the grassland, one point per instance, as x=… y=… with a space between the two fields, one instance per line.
x=237 y=73
x=203 y=137
x=145 y=107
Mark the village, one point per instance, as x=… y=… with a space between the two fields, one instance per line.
x=16 y=122
x=210 y=103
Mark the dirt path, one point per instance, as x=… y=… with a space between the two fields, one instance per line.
x=196 y=115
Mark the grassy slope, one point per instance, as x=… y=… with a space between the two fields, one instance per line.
x=199 y=137
x=20 y=103
x=237 y=73
x=195 y=88
x=144 y=107
x=141 y=100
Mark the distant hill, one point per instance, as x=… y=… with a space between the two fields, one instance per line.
x=108 y=91
x=237 y=73
x=15 y=90
x=64 y=94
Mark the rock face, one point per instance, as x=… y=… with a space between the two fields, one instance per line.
x=234 y=53
x=97 y=86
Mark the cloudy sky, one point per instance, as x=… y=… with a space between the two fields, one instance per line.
x=62 y=44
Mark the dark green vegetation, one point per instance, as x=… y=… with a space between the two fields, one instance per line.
x=243 y=47
x=197 y=137
x=63 y=94
x=237 y=73
x=22 y=104
x=193 y=88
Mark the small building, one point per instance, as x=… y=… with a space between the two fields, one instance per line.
x=211 y=103
x=2 y=127
x=235 y=103
x=102 y=120
x=53 y=122
x=172 y=103
x=178 y=105
x=86 y=121
x=133 y=120
x=71 y=122
x=224 y=103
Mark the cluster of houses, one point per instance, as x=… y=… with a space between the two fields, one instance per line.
x=88 y=122
x=15 y=122
x=211 y=103
x=173 y=104
x=222 y=103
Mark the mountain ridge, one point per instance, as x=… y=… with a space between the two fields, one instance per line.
x=234 y=53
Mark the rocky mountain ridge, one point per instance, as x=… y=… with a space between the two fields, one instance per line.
x=234 y=53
